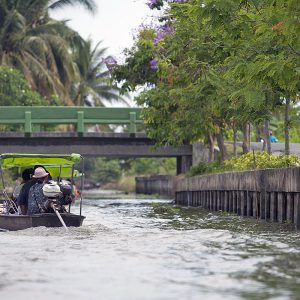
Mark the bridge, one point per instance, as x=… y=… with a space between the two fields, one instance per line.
x=23 y=131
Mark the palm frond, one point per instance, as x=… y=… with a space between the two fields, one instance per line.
x=90 y=5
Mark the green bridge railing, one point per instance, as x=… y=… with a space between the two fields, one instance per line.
x=79 y=116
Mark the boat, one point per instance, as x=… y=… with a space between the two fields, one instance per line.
x=58 y=165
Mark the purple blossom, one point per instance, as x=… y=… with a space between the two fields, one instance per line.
x=110 y=62
x=162 y=50
x=153 y=64
x=152 y=3
x=162 y=32
x=158 y=3
x=155 y=4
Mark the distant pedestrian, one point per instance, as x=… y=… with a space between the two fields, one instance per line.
x=273 y=138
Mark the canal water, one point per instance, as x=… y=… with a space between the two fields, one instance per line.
x=140 y=249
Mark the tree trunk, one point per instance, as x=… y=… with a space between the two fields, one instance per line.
x=267 y=136
x=260 y=132
x=211 y=147
x=234 y=140
x=221 y=145
x=287 y=126
x=249 y=137
x=246 y=138
x=267 y=122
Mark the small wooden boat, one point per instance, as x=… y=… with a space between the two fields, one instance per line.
x=58 y=166
x=16 y=222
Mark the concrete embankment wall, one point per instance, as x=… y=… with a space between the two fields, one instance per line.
x=159 y=184
x=272 y=194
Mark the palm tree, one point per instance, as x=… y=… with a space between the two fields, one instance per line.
x=95 y=84
x=39 y=46
x=88 y=4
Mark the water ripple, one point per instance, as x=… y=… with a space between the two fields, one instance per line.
x=127 y=249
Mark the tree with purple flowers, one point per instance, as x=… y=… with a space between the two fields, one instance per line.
x=219 y=65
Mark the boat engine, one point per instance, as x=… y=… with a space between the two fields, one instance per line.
x=58 y=194
x=53 y=193
x=51 y=190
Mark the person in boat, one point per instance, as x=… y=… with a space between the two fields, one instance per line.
x=22 y=200
x=40 y=166
x=46 y=192
x=37 y=201
x=26 y=176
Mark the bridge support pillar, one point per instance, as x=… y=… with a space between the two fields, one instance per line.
x=184 y=163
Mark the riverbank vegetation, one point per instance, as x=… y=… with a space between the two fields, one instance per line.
x=248 y=161
x=214 y=70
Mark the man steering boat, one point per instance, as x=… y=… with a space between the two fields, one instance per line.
x=36 y=198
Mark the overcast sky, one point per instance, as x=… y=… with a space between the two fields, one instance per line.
x=115 y=22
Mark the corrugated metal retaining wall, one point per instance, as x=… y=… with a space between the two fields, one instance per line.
x=272 y=194
x=159 y=184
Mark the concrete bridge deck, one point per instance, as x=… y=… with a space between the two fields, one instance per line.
x=110 y=145
x=90 y=144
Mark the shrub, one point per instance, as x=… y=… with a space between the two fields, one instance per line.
x=260 y=160
x=204 y=168
x=248 y=161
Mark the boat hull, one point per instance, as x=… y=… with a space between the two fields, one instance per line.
x=16 y=222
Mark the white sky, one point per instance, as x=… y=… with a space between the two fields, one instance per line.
x=115 y=22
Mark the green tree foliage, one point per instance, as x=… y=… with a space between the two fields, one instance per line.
x=220 y=64
x=106 y=170
x=38 y=46
x=54 y=59
x=149 y=166
x=137 y=70
x=15 y=90
x=103 y=170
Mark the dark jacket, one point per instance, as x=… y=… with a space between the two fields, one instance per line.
x=23 y=196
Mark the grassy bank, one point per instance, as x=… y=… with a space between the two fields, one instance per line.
x=248 y=161
x=127 y=184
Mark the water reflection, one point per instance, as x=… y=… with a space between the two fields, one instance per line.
x=134 y=249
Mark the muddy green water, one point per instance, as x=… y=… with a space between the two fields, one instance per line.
x=132 y=249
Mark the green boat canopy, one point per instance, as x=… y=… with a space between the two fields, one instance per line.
x=53 y=162
x=64 y=172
